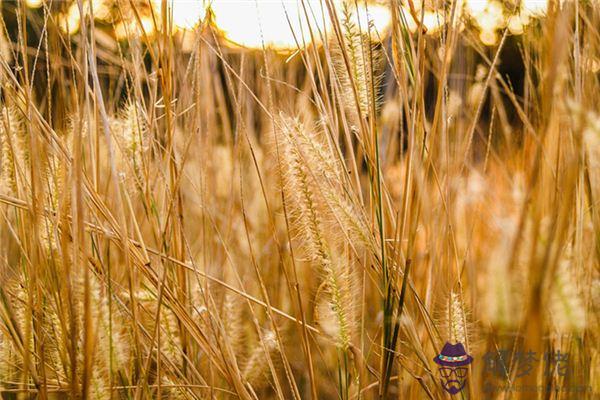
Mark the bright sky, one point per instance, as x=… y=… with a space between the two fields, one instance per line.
x=282 y=24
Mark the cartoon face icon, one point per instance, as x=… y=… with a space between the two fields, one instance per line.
x=453 y=361
x=453 y=379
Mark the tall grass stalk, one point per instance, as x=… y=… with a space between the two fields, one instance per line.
x=183 y=216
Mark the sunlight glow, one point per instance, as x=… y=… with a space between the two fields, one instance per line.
x=433 y=21
x=186 y=14
x=380 y=17
x=488 y=37
x=285 y=25
x=125 y=30
x=594 y=65
x=34 y=3
x=476 y=7
x=517 y=24
x=279 y=25
x=70 y=21
x=536 y=8
x=489 y=17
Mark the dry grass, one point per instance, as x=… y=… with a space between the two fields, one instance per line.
x=222 y=223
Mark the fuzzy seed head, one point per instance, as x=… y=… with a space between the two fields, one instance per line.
x=566 y=304
x=13 y=148
x=365 y=60
x=456 y=319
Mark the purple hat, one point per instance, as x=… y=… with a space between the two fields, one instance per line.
x=453 y=355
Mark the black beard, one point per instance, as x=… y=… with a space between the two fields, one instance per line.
x=453 y=389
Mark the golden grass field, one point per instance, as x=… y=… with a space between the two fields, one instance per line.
x=303 y=199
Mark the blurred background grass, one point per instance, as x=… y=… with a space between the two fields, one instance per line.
x=298 y=199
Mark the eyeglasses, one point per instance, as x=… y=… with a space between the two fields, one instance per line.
x=459 y=372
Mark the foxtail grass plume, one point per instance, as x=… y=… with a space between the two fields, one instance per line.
x=341 y=202
x=360 y=72
x=232 y=317
x=13 y=147
x=352 y=235
x=456 y=319
x=335 y=297
x=315 y=161
x=132 y=135
x=499 y=308
x=300 y=187
x=566 y=305
x=336 y=304
x=256 y=368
